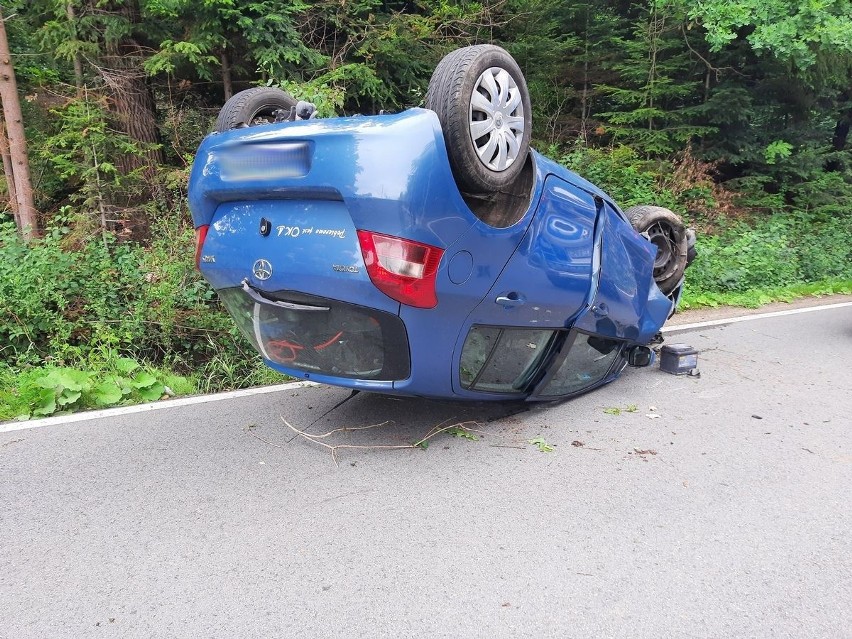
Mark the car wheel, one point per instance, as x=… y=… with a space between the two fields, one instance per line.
x=667 y=232
x=253 y=107
x=482 y=102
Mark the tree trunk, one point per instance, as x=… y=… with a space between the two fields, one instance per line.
x=585 y=109
x=132 y=99
x=10 y=174
x=78 y=61
x=134 y=107
x=226 y=75
x=20 y=167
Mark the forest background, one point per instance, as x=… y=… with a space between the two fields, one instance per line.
x=734 y=113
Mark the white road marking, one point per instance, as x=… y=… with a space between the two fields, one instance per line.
x=141 y=408
x=11 y=427
x=756 y=316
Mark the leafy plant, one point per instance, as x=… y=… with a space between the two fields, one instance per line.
x=47 y=390
x=615 y=410
x=771 y=253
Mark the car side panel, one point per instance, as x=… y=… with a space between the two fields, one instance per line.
x=467 y=273
x=546 y=281
x=627 y=305
x=550 y=274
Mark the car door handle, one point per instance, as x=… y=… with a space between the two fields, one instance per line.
x=293 y=306
x=510 y=299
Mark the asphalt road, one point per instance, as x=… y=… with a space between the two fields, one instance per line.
x=726 y=512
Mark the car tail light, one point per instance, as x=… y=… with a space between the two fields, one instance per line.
x=402 y=269
x=200 y=236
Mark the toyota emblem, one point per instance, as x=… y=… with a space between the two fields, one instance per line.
x=262 y=270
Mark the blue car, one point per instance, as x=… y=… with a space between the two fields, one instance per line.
x=430 y=252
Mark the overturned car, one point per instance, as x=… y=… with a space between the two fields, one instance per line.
x=429 y=252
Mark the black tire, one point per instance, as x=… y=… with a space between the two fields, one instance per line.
x=253 y=107
x=667 y=232
x=691 y=251
x=482 y=84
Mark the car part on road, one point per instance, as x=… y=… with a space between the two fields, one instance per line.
x=678 y=359
x=640 y=356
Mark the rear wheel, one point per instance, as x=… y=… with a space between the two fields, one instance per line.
x=667 y=232
x=482 y=102
x=253 y=107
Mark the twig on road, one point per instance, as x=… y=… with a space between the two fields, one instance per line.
x=333 y=448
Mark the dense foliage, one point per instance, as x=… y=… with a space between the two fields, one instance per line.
x=734 y=113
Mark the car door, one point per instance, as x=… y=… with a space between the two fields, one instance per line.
x=546 y=284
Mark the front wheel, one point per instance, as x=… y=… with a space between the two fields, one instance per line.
x=665 y=230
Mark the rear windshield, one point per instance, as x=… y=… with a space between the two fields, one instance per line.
x=326 y=336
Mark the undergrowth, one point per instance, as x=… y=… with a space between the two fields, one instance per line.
x=49 y=389
x=757 y=297
x=77 y=311
x=753 y=246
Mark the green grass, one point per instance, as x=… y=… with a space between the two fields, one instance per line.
x=757 y=297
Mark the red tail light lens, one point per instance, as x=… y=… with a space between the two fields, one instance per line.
x=403 y=270
x=200 y=236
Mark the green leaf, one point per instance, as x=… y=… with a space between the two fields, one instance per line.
x=458 y=431
x=51 y=380
x=143 y=379
x=541 y=444
x=779 y=149
x=612 y=411
x=60 y=379
x=68 y=396
x=73 y=379
x=153 y=392
x=126 y=365
x=106 y=393
x=45 y=404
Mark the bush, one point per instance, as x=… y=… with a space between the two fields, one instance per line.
x=57 y=299
x=620 y=172
x=776 y=251
x=742 y=258
x=147 y=303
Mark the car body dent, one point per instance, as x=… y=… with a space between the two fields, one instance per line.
x=627 y=304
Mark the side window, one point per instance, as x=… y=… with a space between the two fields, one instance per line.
x=587 y=363
x=502 y=360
